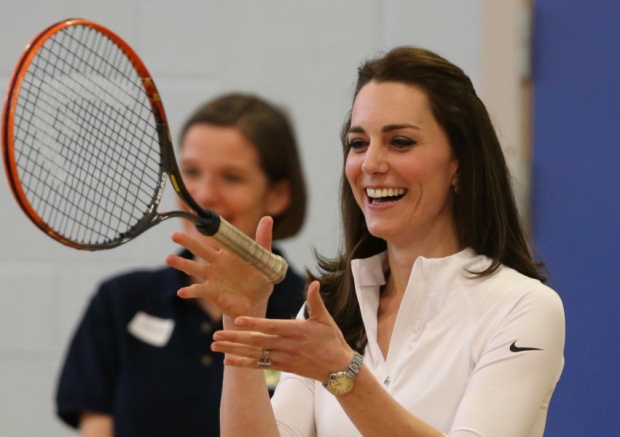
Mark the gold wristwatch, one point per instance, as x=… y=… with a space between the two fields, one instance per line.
x=341 y=382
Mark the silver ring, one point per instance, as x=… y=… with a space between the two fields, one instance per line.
x=264 y=362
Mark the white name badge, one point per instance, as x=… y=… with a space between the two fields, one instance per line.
x=150 y=329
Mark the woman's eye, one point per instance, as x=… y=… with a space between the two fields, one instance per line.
x=189 y=172
x=356 y=143
x=402 y=143
x=232 y=178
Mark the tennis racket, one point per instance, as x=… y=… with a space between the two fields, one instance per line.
x=87 y=147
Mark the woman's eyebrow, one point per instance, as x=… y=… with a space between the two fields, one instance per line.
x=387 y=128
x=391 y=127
x=356 y=130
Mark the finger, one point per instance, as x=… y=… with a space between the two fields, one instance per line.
x=241 y=355
x=238 y=349
x=248 y=338
x=196 y=291
x=185 y=265
x=316 y=306
x=196 y=246
x=264 y=232
x=208 y=241
x=249 y=363
x=271 y=327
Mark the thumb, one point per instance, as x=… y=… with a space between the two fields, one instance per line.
x=264 y=232
x=316 y=306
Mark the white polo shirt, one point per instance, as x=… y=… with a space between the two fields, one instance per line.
x=471 y=357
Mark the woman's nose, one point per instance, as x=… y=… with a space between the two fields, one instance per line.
x=204 y=192
x=375 y=160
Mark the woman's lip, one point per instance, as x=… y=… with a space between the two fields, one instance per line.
x=383 y=201
x=379 y=202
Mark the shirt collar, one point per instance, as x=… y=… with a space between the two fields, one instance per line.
x=372 y=271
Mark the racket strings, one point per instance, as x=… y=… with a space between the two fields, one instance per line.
x=86 y=141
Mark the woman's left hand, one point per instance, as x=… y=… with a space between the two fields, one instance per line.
x=313 y=348
x=233 y=285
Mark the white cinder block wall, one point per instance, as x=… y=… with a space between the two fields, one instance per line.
x=302 y=55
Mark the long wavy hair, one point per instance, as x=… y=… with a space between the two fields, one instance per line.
x=485 y=211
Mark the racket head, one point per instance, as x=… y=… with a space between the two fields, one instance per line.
x=84 y=135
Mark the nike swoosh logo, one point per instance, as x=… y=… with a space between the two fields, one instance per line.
x=515 y=348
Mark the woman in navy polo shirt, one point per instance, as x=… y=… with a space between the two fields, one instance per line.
x=140 y=363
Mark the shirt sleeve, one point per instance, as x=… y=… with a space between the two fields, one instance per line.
x=293 y=403
x=520 y=364
x=86 y=381
x=293 y=406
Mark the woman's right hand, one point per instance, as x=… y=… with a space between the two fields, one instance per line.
x=233 y=285
x=312 y=348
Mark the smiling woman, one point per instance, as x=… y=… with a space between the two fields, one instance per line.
x=434 y=319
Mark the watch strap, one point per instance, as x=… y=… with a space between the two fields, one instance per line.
x=355 y=364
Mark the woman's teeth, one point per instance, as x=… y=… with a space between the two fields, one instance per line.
x=385 y=194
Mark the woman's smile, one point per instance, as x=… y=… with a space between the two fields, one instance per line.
x=384 y=195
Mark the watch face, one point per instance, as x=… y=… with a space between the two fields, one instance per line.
x=340 y=384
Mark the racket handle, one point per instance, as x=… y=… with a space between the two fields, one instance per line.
x=273 y=267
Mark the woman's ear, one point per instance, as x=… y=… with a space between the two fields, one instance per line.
x=278 y=198
x=455 y=181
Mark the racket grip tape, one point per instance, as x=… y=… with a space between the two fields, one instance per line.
x=273 y=267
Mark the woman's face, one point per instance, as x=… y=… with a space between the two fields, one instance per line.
x=221 y=170
x=400 y=165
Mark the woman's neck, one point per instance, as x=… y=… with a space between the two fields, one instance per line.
x=401 y=258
